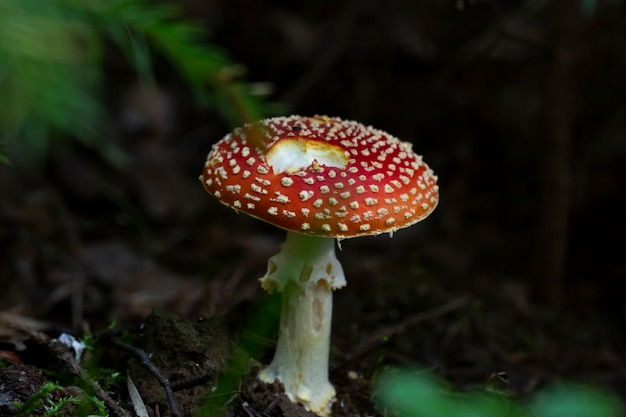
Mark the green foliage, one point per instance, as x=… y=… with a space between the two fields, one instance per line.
x=100 y=407
x=575 y=400
x=47 y=64
x=42 y=404
x=51 y=65
x=107 y=378
x=55 y=408
x=405 y=393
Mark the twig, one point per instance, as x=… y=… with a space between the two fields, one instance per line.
x=191 y=382
x=250 y=411
x=144 y=360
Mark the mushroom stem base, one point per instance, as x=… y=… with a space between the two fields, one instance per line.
x=306 y=270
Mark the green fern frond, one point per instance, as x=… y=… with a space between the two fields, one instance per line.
x=51 y=57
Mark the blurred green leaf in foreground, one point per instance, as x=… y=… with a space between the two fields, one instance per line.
x=51 y=65
x=410 y=393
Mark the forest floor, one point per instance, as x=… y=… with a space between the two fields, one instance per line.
x=181 y=302
x=132 y=257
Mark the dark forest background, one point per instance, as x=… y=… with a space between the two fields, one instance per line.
x=518 y=106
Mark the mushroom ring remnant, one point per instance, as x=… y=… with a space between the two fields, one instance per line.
x=319 y=178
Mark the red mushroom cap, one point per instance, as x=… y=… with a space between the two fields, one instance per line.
x=321 y=176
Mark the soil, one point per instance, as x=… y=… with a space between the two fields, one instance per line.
x=164 y=280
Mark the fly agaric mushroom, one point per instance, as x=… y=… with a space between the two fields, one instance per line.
x=321 y=179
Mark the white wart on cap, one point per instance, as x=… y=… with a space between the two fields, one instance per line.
x=321 y=176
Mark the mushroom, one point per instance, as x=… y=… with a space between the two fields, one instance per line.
x=321 y=179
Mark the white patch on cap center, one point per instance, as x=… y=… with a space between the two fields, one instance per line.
x=293 y=154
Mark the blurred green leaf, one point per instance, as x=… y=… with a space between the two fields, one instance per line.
x=410 y=393
x=569 y=400
x=416 y=394
x=51 y=56
x=4 y=159
x=47 y=79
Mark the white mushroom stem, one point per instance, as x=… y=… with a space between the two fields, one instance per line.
x=306 y=271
